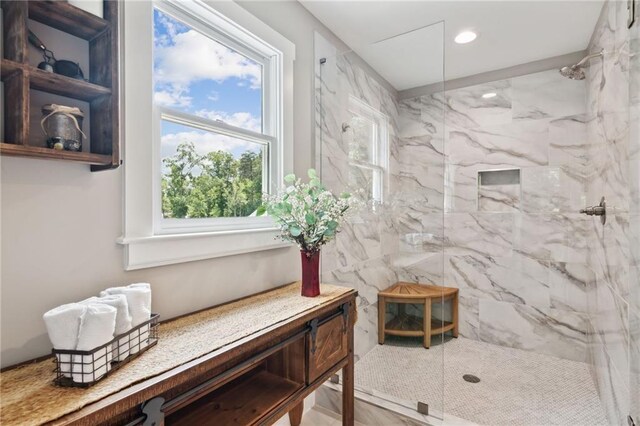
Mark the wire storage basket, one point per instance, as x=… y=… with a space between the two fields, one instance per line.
x=76 y=368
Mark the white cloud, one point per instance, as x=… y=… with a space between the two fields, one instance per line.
x=244 y=120
x=172 y=98
x=170 y=26
x=194 y=57
x=204 y=142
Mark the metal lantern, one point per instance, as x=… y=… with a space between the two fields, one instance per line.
x=63 y=127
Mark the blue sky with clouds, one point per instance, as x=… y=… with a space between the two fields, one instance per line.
x=197 y=75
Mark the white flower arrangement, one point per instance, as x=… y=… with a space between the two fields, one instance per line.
x=308 y=214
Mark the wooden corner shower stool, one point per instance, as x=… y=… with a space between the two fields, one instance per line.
x=405 y=324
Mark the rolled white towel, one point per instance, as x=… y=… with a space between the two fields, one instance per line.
x=123 y=321
x=63 y=326
x=139 y=301
x=97 y=326
x=138 y=298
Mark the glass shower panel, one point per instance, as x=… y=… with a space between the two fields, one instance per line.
x=634 y=221
x=379 y=134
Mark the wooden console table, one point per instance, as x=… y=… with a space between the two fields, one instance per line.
x=253 y=380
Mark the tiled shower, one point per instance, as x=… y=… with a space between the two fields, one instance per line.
x=484 y=194
x=516 y=249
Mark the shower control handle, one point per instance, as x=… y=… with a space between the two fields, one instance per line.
x=594 y=211
x=599 y=210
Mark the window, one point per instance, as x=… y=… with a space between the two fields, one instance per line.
x=207 y=174
x=368 y=136
x=207 y=130
x=215 y=111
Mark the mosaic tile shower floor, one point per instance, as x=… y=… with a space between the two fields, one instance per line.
x=517 y=387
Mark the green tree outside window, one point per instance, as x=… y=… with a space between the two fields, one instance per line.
x=214 y=184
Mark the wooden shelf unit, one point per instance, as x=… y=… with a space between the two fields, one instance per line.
x=242 y=402
x=101 y=91
x=41 y=152
x=66 y=17
x=248 y=394
x=55 y=83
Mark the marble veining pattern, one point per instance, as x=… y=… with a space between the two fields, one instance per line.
x=518 y=253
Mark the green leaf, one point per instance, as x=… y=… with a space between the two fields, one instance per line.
x=329 y=233
x=312 y=173
x=295 y=231
x=332 y=225
x=345 y=195
x=310 y=218
x=290 y=178
x=261 y=210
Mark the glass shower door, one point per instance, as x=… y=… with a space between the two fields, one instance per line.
x=634 y=221
x=379 y=124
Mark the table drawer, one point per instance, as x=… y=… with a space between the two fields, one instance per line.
x=327 y=347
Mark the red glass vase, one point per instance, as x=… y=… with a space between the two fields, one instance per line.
x=310 y=273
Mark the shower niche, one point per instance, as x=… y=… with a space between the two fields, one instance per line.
x=499 y=190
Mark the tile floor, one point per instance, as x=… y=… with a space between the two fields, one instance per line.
x=319 y=416
x=516 y=387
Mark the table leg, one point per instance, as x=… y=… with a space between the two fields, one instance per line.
x=382 y=307
x=348 y=402
x=454 y=316
x=427 y=322
x=295 y=415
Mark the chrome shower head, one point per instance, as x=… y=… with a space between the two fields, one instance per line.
x=574 y=72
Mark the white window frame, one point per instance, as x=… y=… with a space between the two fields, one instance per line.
x=203 y=20
x=379 y=163
x=149 y=240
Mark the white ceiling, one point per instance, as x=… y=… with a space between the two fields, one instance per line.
x=509 y=33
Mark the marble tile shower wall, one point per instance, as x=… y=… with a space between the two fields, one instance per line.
x=519 y=257
x=613 y=130
x=361 y=255
x=517 y=251
x=418 y=176
x=401 y=237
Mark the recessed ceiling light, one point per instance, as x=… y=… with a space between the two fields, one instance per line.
x=489 y=95
x=465 y=37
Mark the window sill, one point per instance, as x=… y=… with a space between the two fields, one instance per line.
x=160 y=250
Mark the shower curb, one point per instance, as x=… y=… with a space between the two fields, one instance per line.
x=373 y=410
